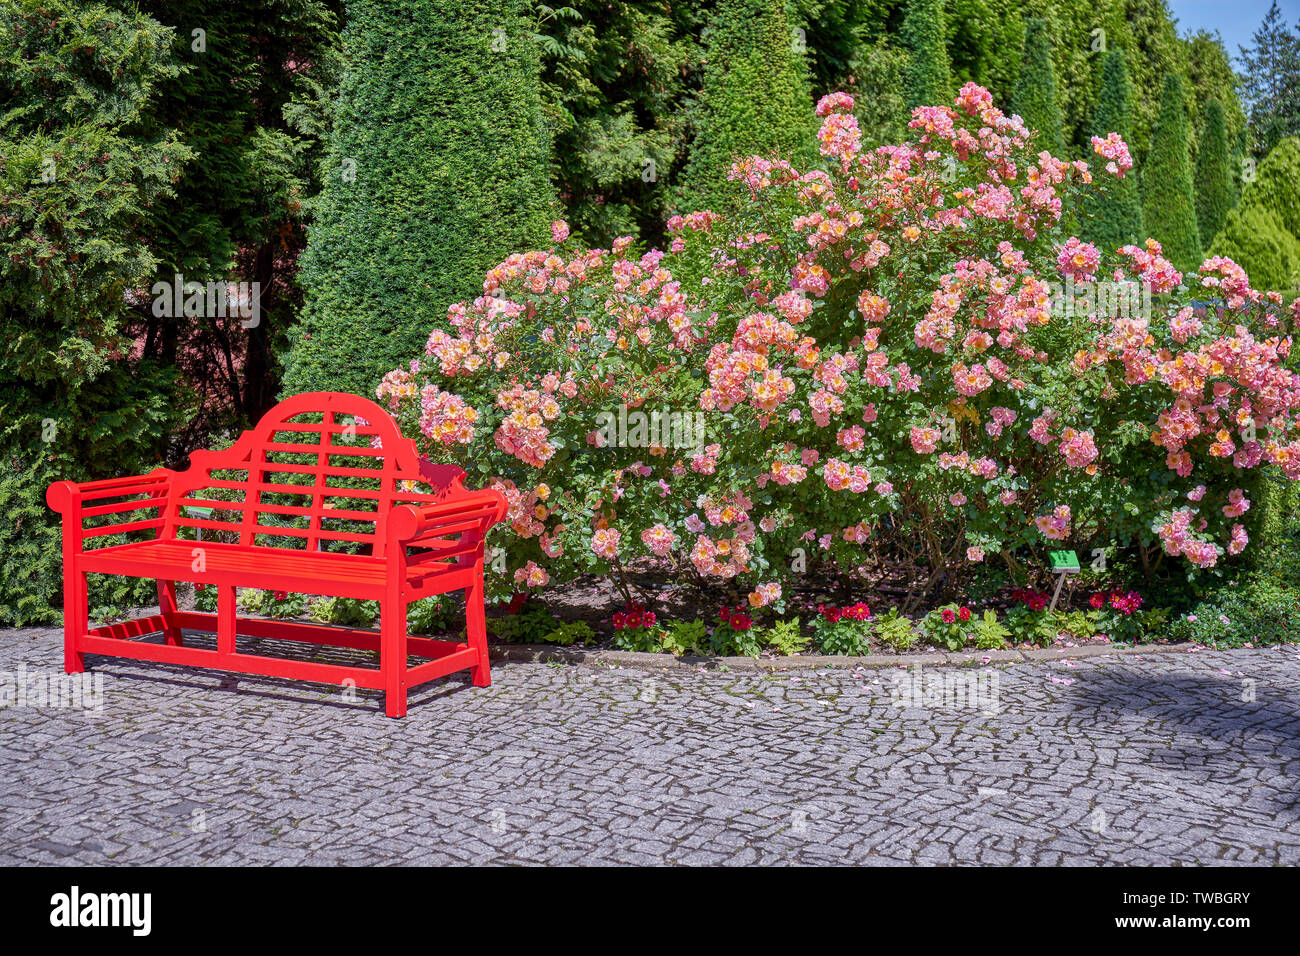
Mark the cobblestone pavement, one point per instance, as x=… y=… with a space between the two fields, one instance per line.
x=1176 y=758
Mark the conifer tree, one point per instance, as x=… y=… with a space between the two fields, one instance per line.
x=1115 y=217
x=1168 y=197
x=1214 y=194
x=927 y=79
x=1035 y=96
x=754 y=99
x=437 y=169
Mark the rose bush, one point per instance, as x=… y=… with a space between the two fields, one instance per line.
x=886 y=370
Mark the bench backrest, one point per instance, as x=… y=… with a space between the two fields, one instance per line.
x=321 y=470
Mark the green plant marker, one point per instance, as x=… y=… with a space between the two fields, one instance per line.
x=1066 y=561
x=1063 y=563
x=203 y=514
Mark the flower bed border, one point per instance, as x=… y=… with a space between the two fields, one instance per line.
x=542 y=654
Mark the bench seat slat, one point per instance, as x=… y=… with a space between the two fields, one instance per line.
x=262 y=567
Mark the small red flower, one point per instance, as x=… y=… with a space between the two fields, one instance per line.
x=948 y=615
x=724 y=613
x=648 y=619
x=832 y=614
x=964 y=613
x=282 y=595
x=740 y=622
x=620 y=620
x=1097 y=601
x=857 y=612
x=634 y=620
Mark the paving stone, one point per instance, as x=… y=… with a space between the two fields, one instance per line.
x=1101 y=759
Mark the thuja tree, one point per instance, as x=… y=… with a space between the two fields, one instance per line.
x=1035 y=96
x=238 y=208
x=436 y=167
x=1152 y=49
x=1261 y=233
x=1214 y=193
x=928 y=77
x=1207 y=68
x=614 y=75
x=77 y=83
x=754 y=98
x=1114 y=217
x=1168 y=198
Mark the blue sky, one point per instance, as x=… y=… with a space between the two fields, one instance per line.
x=1235 y=20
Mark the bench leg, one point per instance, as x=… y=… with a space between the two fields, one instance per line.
x=476 y=633
x=169 y=608
x=76 y=620
x=227 y=605
x=392 y=655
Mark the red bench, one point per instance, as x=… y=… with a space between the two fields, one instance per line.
x=324 y=496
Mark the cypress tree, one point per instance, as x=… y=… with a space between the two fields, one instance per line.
x=927 y=80
x=1035 y=96
x=1262 y=235
x=1116 y=216
x=437 y=169
x=1168 y=199
x=754 y=99
x=1214 y=196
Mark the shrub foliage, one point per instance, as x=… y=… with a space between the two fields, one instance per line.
x=437 y=166
x=754 y=97
x=77 y=178
x=881 y=372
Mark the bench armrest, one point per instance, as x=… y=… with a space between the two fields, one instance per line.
x=475 y=511
x=63 y=496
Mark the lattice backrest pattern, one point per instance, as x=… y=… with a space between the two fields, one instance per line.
x=321 y=470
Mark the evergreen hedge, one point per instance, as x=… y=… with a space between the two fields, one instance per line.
x=437 y=169
x=1276 y=186
x=1115 y=216
x=754 y=99
x=1256 y=240
x=1168 y=198
x=927 y=80
x=1214 y=192
x=1035 y=96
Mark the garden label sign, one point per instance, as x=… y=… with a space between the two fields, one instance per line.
x=1066 y=562
x=1063 y=563
x=203 y=514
